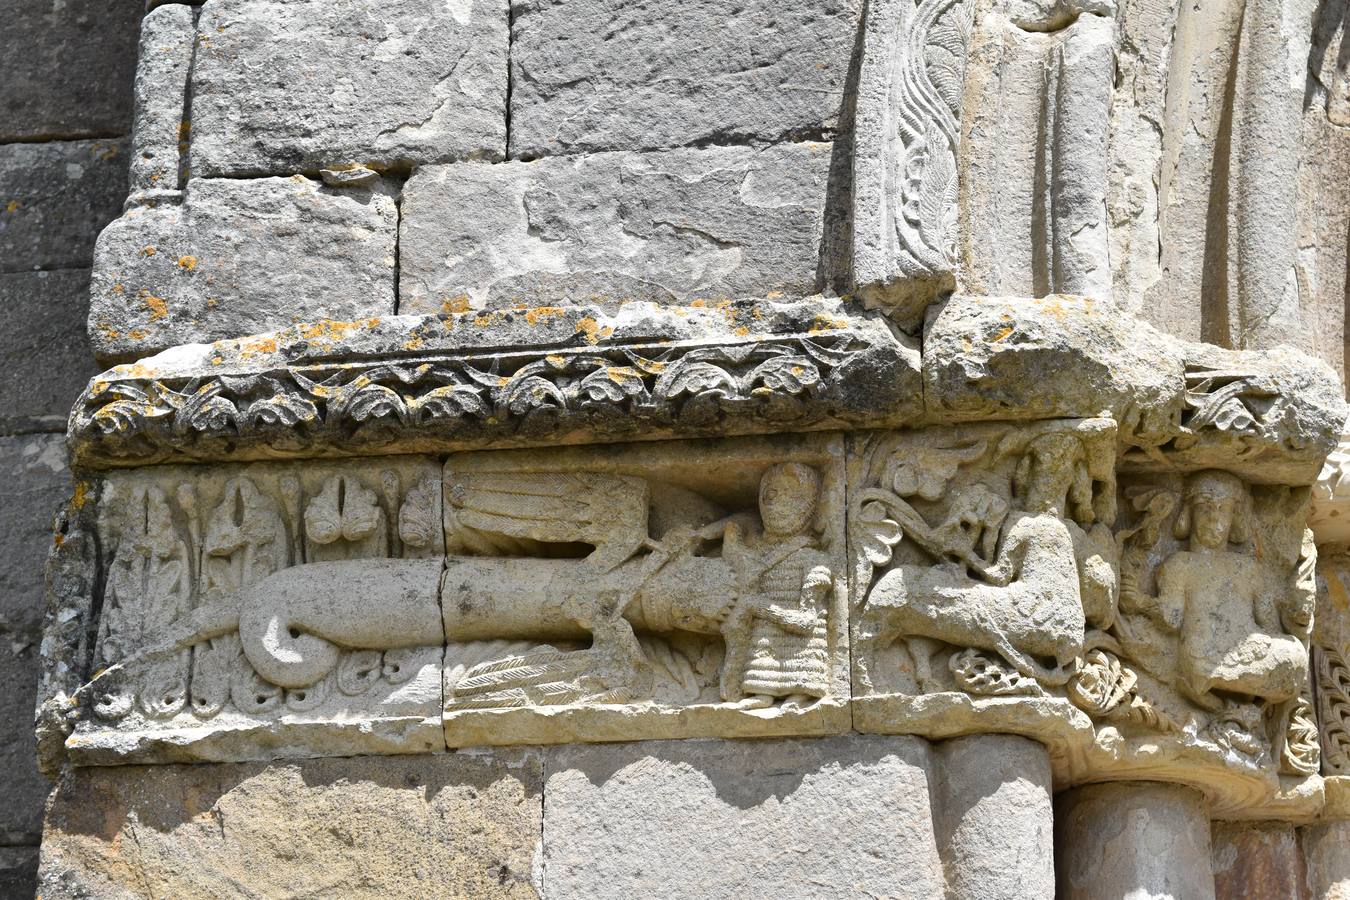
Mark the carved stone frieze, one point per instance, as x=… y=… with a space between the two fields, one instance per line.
x=542 y=375
x=195 y=660
x=642 y=592
x=1146 y=625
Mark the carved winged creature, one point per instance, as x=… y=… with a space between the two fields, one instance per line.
x=494 y=513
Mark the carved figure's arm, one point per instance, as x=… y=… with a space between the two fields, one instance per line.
x=1168 y=608
x=1010 y=558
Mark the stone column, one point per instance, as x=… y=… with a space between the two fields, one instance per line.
x=1326 y=849
x=1257 y=859
x=1145 y=841
x=994 y=817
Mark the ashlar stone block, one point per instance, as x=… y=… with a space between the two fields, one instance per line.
x=203 y=649
x=285 y=86
x=456 y=825
x=611 y=75
x=68 y=68
x=239 y=257
x=44 y=348
x=54 y=198
x=709 y=224
x=35 y=480
x=840 y=817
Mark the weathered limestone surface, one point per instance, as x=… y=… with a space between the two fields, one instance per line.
x=714 y=223
x=54 y=198
x=458 y=825
x=994 y=817
x=280 y=86
x=1326 y=848
x=505 y=377
x=44 y=348
x=1324 y=184
x=1144 y=840
x=1034 y=151
x=160 y=129
x=18 y=870
x=35 y=481
x=991 y=357
x=68 y=68
x=721 y=819
x=240 y=257
x=610 y=75
x=1258 y=860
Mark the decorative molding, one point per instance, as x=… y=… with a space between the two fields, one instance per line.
x=843 y=371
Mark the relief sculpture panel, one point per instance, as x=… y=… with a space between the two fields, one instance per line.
x=1143 y=623
x=641 y=592
x=196 y=657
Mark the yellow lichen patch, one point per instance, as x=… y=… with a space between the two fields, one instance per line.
x=543 y=313
x=59 y=539
x=258 y=345
x=458 y=304
x=12 y=206
x=823 y=322
x=555 y=360
x=1002 y=333
x=118 y=288
x=138 y=334
x=81 y=495
x=413 y=343
x=742 y=331
x=698 y=304
x=158 y=308
x=774 y=295
x=373 y=322
x=187 y=263
x=148 y=250
x=328 y=329
x=591 y=328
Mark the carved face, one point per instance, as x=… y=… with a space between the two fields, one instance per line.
x=1051 y=460
x=787 y=497
x=1213 y=499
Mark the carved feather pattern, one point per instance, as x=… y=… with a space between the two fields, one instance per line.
x=1333 y=707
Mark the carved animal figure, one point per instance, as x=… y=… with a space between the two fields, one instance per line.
x=1028 y=604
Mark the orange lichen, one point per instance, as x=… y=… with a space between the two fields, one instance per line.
x=148 y=250
x=158 y=308
x=187 y=262
x=457 y=304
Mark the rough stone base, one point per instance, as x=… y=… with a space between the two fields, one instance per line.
x=846 y=816
x=457 y=825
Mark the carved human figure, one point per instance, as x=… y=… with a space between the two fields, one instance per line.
x=1224 y=604
x=776 y=638
x=1028 y=603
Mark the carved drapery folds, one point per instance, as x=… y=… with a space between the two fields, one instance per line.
x=1057 y=523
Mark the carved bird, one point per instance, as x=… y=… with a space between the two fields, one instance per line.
x=605 y=510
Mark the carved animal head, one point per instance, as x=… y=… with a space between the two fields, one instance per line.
x=1216 y=511
x=1053 y=476
x=788 y=493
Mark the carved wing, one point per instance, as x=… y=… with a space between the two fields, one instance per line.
x=605 y=510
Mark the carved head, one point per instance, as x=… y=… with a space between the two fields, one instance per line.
x=787 y=497
x=1051 y=473
x=1215 y=510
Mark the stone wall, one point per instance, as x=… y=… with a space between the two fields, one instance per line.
x=576 y=448
x=65 y=123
